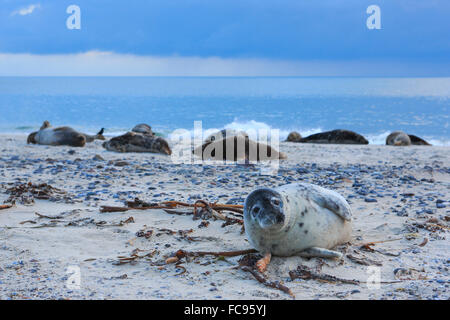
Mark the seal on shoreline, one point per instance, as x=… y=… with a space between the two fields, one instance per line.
x=338 y=136
x=138 y=142
x=398 y=138
x=61 y=136
x=237 y=148
x=294 y=136
x=296 y=219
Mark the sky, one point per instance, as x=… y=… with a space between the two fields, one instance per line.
x=225 y=38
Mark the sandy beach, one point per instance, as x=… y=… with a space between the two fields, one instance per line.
x=399 y=197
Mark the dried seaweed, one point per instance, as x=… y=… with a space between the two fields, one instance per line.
x=134 y=257
x=26 y=193
x=201 y=209
x=424 y=242
x=431 y=225
x=182 y=253
x=138 y=204
x=364 y=261
x=272 y=284
x=305 y=273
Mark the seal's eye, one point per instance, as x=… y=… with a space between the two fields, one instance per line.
x=275 y=202
x=255 y=210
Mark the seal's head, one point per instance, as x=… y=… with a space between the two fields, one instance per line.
x=265 y=208
x=143 y=128
x=73 y=139
x=398 y=138
x=163 y=146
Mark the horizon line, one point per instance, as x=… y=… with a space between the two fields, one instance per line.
x=109 y=64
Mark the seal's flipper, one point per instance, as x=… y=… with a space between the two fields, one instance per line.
x=45 y=125
x=320 y=253
x=332 y=201
x=262 y=263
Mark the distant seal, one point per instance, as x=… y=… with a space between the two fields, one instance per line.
x=294 y=136
x=223 y=134
x=57 y=136
x=338 y=136
x=415 y=140
x=144 y=129
x=398 y=138
x=237 y=148
x=138 y=142
x=296 y=219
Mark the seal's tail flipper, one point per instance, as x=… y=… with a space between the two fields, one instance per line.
x=321 y=253
x=45 y=125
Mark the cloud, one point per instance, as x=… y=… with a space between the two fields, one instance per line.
x=27 y=10
x=101 y=63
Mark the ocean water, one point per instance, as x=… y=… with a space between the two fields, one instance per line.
x=372 y=107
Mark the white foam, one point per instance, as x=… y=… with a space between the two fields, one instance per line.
x=254 y=126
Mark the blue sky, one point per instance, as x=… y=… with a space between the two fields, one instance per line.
x=292 y=37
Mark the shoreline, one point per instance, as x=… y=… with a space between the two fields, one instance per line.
x=393 y=192
x=376 y=139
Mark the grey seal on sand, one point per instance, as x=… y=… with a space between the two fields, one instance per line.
x=138 y=142
x=61 y=136
x=338 y=136
x=236 y=148
x=296 y=219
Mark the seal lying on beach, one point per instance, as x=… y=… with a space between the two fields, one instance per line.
x=138 y=142
x=223 y=134
x=236 y=148
x=61 y=136
x=336 y=137
x=294 y=136
x=398 y=138
x=296 y=219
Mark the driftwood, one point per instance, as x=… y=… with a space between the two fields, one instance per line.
x=5 y=206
